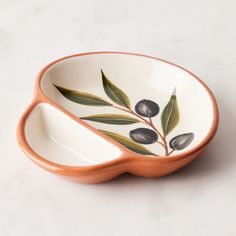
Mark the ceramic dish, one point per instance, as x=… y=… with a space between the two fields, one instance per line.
x=98 y=115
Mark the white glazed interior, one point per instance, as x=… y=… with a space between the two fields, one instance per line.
x=140 y=78
x=60 y=139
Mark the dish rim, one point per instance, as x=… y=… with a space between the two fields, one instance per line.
x=41 y=97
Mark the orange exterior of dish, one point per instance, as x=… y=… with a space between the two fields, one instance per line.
x=130 y=162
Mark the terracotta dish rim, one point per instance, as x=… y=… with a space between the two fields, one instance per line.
x=40 y=97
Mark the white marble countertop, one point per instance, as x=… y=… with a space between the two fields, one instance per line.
x=198 y=200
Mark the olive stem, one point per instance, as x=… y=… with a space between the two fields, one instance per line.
x=165 y=143
x=171 y=151
x=150 y=123
x=161 y=144
x=147 y=122
x=162 y=137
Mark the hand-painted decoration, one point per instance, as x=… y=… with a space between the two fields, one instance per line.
x=143 y=113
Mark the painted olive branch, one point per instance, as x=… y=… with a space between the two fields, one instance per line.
x=149 y=123
x=143 y=112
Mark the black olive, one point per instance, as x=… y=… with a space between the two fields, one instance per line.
x=147 y=108
x=181 y=141
x=143 y=135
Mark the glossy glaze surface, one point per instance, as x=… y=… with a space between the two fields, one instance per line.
x=78 y=147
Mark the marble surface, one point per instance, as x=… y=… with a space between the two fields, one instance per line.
x=199 y=199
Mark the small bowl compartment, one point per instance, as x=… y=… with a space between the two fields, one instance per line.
x=60 y=139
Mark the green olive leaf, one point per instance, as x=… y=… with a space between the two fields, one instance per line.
x=115 y=119
x=128 y=143
x=82 y=98
x=114 y=93
x=170 y=115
